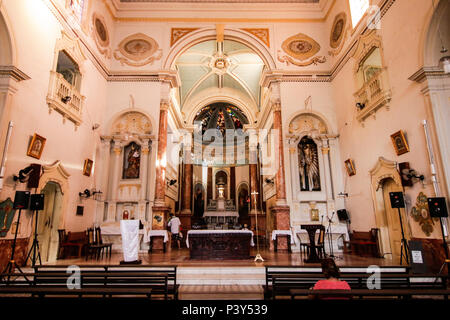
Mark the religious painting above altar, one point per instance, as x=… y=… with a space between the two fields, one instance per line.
x=132 y=161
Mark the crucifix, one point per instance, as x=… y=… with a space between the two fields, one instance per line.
x=258 y=255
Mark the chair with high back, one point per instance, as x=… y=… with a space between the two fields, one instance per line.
x=104 y=246
x=61 y=239
x=320 y=245
x=92 y=248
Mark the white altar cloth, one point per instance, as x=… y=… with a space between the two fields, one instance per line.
x=218 y=231
x=221 y=214
x=284 y=232
x=130 y=239
x=156 y=233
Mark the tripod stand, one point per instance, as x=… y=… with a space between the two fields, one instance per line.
x=12 y=264
x=404 y=244
x=35 y=245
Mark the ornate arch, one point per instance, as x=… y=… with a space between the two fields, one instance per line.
x=7 y=49
x=147 y=123
x=201 y=35
x=314 y=122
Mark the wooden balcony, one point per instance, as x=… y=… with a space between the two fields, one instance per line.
x=60 y=89
x=375 y=94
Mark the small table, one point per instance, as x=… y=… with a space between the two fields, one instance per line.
x=311 y=229
x=157 y=233
x=286 y=233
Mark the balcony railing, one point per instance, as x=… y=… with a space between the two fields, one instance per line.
x=58 y=99
x=374 y=94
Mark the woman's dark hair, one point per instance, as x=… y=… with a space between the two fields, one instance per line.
x=329 y=268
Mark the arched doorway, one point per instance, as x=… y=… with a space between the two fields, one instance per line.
x=385 y=179
x=49 y=220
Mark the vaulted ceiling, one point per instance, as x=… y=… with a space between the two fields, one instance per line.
x=220 y=66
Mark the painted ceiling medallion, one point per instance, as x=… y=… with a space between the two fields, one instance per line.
x=300 y=47
x=261 y=34
x=220 y=63
x=138 y=50
x=178 y=33
x=338 y=30
x=101 y=34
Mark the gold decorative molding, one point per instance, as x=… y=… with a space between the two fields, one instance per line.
x=288 y=60
x=261 y=33
x=132 y=123
x=138 y=50
x=101 y=35
x=338 y=30
x=300 y=46
x=178 y=33
x=307 y=122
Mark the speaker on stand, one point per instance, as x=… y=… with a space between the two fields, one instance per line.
x=397 y=201
x=21 y=201
x=36 y=204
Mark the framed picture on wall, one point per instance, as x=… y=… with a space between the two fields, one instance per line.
x=87 y=169
x=350 y=167
x=36 y=146
x=399 y=142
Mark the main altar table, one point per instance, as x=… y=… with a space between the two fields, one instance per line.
x=219 y=244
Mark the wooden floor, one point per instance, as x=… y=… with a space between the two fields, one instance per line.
x=180 y=257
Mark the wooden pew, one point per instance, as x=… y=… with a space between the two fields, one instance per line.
x=169 y=271
x=367 y=293
x=363 y=243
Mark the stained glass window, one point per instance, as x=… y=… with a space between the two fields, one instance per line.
x=221 y=116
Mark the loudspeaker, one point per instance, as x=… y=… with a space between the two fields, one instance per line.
x=437 y=207
x=342 y=215
x=21 y=199
x=37 y=202
x=35 y=175
x=397 y=200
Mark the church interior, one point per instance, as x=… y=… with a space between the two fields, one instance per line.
x=227 y=142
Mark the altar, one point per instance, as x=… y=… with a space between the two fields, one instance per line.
x=219 y=244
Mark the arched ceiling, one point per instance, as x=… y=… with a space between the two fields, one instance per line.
x=219 y=65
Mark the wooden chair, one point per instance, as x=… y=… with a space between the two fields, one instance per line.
x=363 y=243
x=104 y=246
x=92 y=248
x=305 y=247
x=62 y=238
x=76 y=241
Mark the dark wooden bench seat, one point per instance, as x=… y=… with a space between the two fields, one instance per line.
x=45 y=290
x=385 y=293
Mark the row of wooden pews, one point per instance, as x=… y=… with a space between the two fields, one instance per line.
x=107 y=281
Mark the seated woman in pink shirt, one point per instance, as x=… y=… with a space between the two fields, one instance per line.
x=332 y=282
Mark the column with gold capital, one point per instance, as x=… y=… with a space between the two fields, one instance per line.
x=281 y=210
x=112 y=195
x=145 y=149
x=160 y=210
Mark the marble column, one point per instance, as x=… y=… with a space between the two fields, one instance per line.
x=160 y=210
x=328 y=181
x=281 y=211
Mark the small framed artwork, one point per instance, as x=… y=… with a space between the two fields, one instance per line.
x=350 y=167
x=314 y=214
x=87 y=169
x=80 y=210
x=36 y=146
x=399 y=142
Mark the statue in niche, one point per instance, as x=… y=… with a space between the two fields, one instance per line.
x=132 y=161
x=199 y=203
x=308 y=165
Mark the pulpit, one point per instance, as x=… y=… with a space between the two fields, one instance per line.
x=312 y=229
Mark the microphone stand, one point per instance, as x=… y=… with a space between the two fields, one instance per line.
x=330 y=240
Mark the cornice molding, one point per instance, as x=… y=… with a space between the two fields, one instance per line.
x=428 y=73
x=13 y=72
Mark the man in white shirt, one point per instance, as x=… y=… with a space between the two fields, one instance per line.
x=174 y=224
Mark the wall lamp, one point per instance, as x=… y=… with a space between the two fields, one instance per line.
x=66 y=99
x=88 y=193
x=171 y=182
x=360 y=105
x=270 y=181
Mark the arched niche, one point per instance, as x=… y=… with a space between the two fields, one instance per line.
x=131 y=123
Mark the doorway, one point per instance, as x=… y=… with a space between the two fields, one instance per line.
x=48 y=221
x=392 y=219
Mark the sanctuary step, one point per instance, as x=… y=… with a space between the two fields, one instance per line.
x=221 y=292
x=220 y=276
